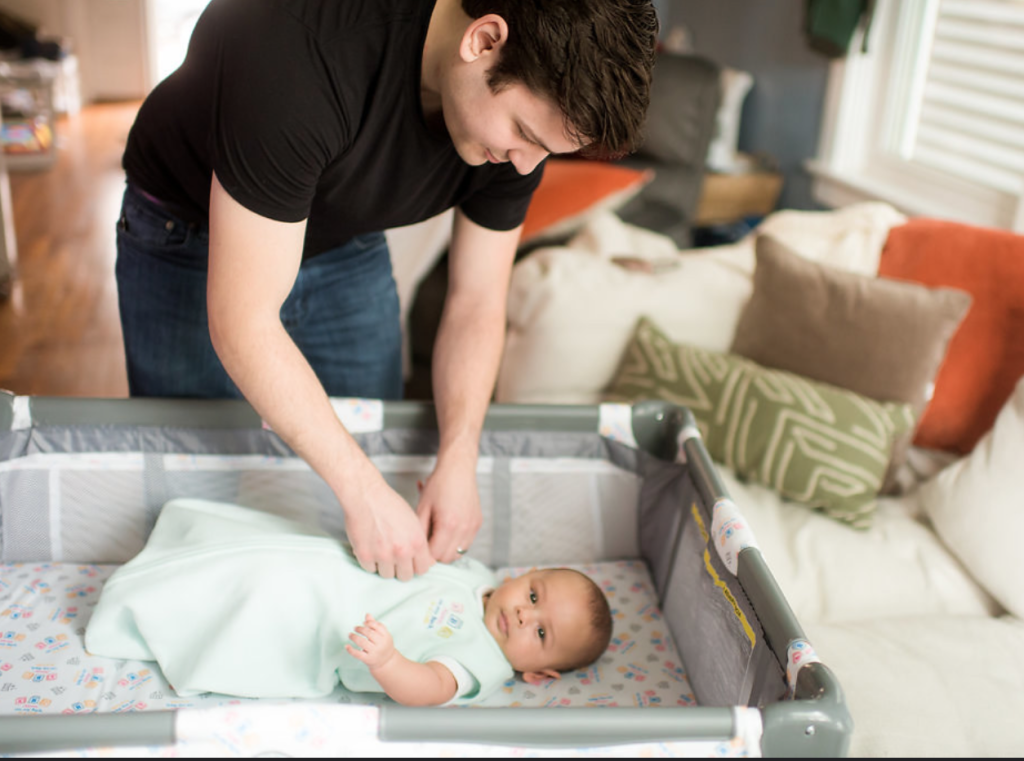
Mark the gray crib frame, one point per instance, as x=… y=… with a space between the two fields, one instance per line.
x=813 y=722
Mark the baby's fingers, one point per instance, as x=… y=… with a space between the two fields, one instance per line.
x=365 y=633
x=355 y=652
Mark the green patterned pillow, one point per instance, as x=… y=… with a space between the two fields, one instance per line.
x=820 y=445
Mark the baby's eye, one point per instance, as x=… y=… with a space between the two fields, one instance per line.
x=533 y=597
x=541 y=633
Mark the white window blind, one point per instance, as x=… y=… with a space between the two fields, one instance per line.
x=971 y=113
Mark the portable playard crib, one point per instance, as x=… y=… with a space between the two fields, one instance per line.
x=706 y=658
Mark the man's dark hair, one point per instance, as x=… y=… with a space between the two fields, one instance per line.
x=592 y=58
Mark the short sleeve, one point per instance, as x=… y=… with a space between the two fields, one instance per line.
x=502 y=202
x=465 y=683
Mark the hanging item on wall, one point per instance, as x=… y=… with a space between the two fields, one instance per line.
x=831 y=24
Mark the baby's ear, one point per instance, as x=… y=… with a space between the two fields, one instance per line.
x=536 y=677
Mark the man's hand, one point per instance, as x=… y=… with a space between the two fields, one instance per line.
x=375 y=644
x=386 y=537
x=449 y=510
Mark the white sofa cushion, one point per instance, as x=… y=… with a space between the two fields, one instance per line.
x=929 y=686
x=977 y=506
x=850 y=238
x=572 y=311
x=830 y=572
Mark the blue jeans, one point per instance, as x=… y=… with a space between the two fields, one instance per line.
x=342 y=311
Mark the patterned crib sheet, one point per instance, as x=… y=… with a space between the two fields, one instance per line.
x=44 y=608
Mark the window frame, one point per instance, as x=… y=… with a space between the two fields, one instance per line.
x=865 y=125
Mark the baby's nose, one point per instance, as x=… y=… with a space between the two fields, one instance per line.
x=523 y=614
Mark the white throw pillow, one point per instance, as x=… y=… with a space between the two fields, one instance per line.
x=850 y=238
x=977 y=506
x=571 y=314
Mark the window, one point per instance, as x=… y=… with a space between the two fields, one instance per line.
x=170 y=27
x=931 y=117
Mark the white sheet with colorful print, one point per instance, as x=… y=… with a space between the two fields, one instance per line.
x=44 y=668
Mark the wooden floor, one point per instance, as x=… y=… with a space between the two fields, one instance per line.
x=59 y=328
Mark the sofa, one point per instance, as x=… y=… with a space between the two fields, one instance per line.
x=896 y=545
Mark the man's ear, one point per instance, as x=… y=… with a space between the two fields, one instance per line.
x=536 y=677
x=483 y=36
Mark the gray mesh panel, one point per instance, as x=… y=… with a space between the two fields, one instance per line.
x=100 y=516
x=297 y=494
x=559 y=517
x=25 y=522
x=219 y=486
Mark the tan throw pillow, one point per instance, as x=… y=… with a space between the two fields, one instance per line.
x=878 y=337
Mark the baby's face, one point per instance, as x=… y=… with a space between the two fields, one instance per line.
x=540 y=619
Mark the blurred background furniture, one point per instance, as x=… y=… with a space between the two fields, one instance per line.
x=28 y=132
x=685 y=97
x=751 y=189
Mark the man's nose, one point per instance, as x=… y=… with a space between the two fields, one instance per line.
x=525 y=160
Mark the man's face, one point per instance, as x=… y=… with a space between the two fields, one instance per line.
x=512 y=125
x=540 y=619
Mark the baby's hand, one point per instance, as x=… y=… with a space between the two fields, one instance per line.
x=375 y=644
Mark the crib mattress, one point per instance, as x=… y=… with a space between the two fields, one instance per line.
x=44 y=668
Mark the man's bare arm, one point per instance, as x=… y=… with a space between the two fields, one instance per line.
x=466 y=355
x=253 y=264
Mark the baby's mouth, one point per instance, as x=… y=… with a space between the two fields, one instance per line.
x=503 y=623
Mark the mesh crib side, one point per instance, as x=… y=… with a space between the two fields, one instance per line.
x=90 y=493
x=720 y=638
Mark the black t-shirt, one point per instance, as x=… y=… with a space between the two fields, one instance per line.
x=311 y=109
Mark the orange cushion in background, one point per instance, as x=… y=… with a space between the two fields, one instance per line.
x=985 y=358
x=572 y=188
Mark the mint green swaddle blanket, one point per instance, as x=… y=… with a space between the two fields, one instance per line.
x=232 y=600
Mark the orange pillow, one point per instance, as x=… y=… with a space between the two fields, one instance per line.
x=572 y=189
x=985 y=357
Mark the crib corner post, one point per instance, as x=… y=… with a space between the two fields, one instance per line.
x=815 y=724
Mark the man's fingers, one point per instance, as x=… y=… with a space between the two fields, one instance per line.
x=404 y=569
x=443 y=545
x=423 y=513
x=367 y=563
x=422 y=562
x=386 y=570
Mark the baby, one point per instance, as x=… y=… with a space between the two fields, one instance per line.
x=232 y=600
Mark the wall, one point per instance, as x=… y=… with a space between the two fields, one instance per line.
x=782 y=112
x=107 y=36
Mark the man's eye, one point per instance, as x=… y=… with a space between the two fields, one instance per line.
x=533 y=597
x=541 y=633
